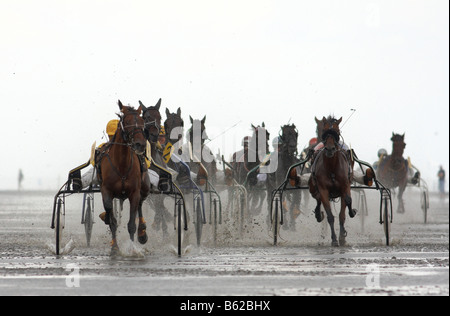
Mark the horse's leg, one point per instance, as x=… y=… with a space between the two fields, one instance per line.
x=134 y=207
x=330 y=217
x=142 y=228
x=110 y=220
x=401 y=206
x=295 y=207
x=342 y=231
x=348 y=202
x=259 y=202
x=314 y=191
x=113 y=228
x=145 y=190
x=319 y=214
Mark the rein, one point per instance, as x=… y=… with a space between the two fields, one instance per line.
x=331 y=133
x=128 y=143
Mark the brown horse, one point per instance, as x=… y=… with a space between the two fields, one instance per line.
x=123 y=174
x=252 y=157
x=331 y=178
x=393 y=169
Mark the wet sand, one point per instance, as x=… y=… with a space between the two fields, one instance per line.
x=303 y=263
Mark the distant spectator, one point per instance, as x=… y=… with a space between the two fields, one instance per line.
x=20 y=179
x=441 y=176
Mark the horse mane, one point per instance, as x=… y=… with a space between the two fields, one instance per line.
x=332 y=119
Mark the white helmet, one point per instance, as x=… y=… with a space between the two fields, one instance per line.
x=382 y=152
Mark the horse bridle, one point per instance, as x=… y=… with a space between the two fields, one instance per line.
x=172 y=121
x=148 y=124
x=128 y=136
x=331 y=133
x=286 y=140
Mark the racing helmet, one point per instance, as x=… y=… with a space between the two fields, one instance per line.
x=382 y=152
x=111 y=127
x=313 y=141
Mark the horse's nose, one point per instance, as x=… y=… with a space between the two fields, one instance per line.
x=140 y=147
x=330 y=150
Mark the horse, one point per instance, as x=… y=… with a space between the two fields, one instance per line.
x=152 y=120
x=252 y=157
x=287 y=156
x=201 y=159
x=174 y=126
x=331 y=178
x=393 y=169
x=123 y=174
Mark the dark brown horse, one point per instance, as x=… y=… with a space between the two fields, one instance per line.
x=393 y=169
x=287 y=156
x=152 y=122
x=152 y=119
x=174 y=126
x=122 y=173
x=331 y=178
x=250 y=158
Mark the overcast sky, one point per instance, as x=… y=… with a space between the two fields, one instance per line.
x=64 y=64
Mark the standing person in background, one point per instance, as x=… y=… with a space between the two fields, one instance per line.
x=441 y=176
x=20 y=179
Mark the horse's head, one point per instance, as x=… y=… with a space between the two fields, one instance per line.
x=319 y=128
x=195 y=125
x=289 y=137
x=152 y=120
x=331 y=135
x=174 y=122
x=131 y=127
x=398 y=144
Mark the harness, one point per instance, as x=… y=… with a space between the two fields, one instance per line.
x=128 y=138
x=332 y=175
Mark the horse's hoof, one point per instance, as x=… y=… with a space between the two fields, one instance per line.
x=319 y=216
x=334 y=243
x=114 y=252
x=114 y=248
x=104 y=218
x=352 y=212
x=143 y=239
x=142 y=232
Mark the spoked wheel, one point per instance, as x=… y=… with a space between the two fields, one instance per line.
x=424 y=204
x=215 y=220
x=386 y=219
x=241 y=213
x=89 y=219
x=276 y=221
x=198 y=221
x=59 y=227
x=179 y=229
